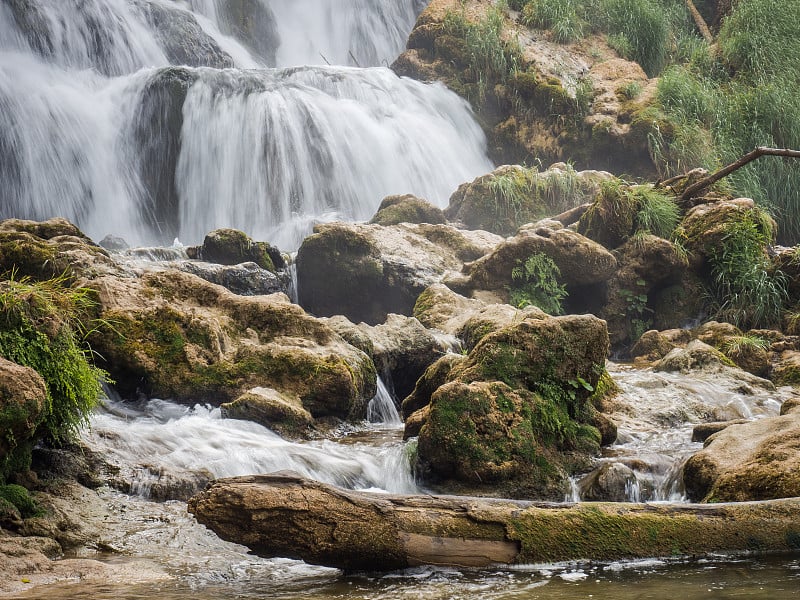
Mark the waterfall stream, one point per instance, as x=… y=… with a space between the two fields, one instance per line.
x=155 y=120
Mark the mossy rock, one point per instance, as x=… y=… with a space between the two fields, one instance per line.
x=432 y=379
x=407 y=208
x=27 y=255
x=280 y=412
x=611 y=219
x=23 y=405
x=232 y=247
x=484 y=433
x=20 y=498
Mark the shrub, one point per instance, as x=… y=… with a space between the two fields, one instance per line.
x=745 y=289
x=42 y=328
x=536 y=283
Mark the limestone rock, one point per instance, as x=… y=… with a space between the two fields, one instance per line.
x=365 y=272
x=786 y=370
x=758 y=460
x=651 y=346
x=271 y=409
x=407 y=209
x=178 y=336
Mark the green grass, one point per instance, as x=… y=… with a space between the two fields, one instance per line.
x=658 y=213
x=562 y=17
x=42 y=327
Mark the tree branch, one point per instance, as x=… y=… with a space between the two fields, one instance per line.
x=700 y=22
x=706 y=182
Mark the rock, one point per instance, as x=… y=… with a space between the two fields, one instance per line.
x=365 y=272
x=610 y=483
x=178 y=336
x=270 y=408
x=651 y=346
x=696 y=356
x=246 y=279
x=407 y=209
x=703 y=431
x=232 y=247
x=434 y=377
x=182 y=38
x=559 y=102
x=23 y=406
x=402 y=349
x=714 y=333
x=511 y=196
x=114 y=243
x=647 y=265
x=581 y=262
x=752 y=461
x=252 y=23
x=284 y=515
x=511 y=411
x=786 y=370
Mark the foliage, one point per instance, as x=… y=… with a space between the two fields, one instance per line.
x=562 y=17
x=490 y=58
x=639 y=30
x=42 y=328
x=21 y=498
x=536 y=283
x=746 y=290
x=739 y=343
x=636 y=309
x=658 y=213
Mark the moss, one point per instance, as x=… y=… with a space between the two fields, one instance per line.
x=21 y=499
x=29 y=256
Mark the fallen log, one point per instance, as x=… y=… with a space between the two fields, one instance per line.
x=284 y=515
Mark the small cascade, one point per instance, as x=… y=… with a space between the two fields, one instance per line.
x=382 y=410
x=160 y=442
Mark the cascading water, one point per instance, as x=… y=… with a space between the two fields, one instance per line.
x=96 y=126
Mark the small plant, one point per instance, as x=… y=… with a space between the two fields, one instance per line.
x=536 y=283
x=636 y=310
x=741 y=343
x=631 y=90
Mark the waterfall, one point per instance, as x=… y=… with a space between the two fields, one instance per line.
x=126 y=117
x=382 y=410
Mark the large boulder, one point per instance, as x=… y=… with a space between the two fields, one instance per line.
x=365 y=272
x=581 y=262
x=232 y=247
x=751 y=461
x=512 y=195
x=23 y=405
x=177 y=336
x=515 y=413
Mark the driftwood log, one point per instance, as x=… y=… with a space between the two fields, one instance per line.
x=287 y=516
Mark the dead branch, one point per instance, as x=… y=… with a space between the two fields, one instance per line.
x=696 y=188
x=700 y=22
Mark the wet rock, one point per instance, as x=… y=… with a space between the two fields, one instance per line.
x=365 y=272
x=232 y=247
x=407 y=209
x=612 y=482
x=434 y=377
x=272 y=409
x=246 y=279
x=696 y=356
x=114 y=243
x=253 y=23
x=751 y=461
x=703 y=431
x=651 y=346
x=182 y=38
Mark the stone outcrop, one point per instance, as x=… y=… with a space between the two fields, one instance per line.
x=177 y=336
x=284 y=515
x=758 y=460
x=512 y=417
x=563 y=101
x=512 y=195
x=365 y=272
x=232 y=247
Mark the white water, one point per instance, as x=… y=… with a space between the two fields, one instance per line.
x=656 y=413
x=162 y=439
x=93 y=129
x=381 y=409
